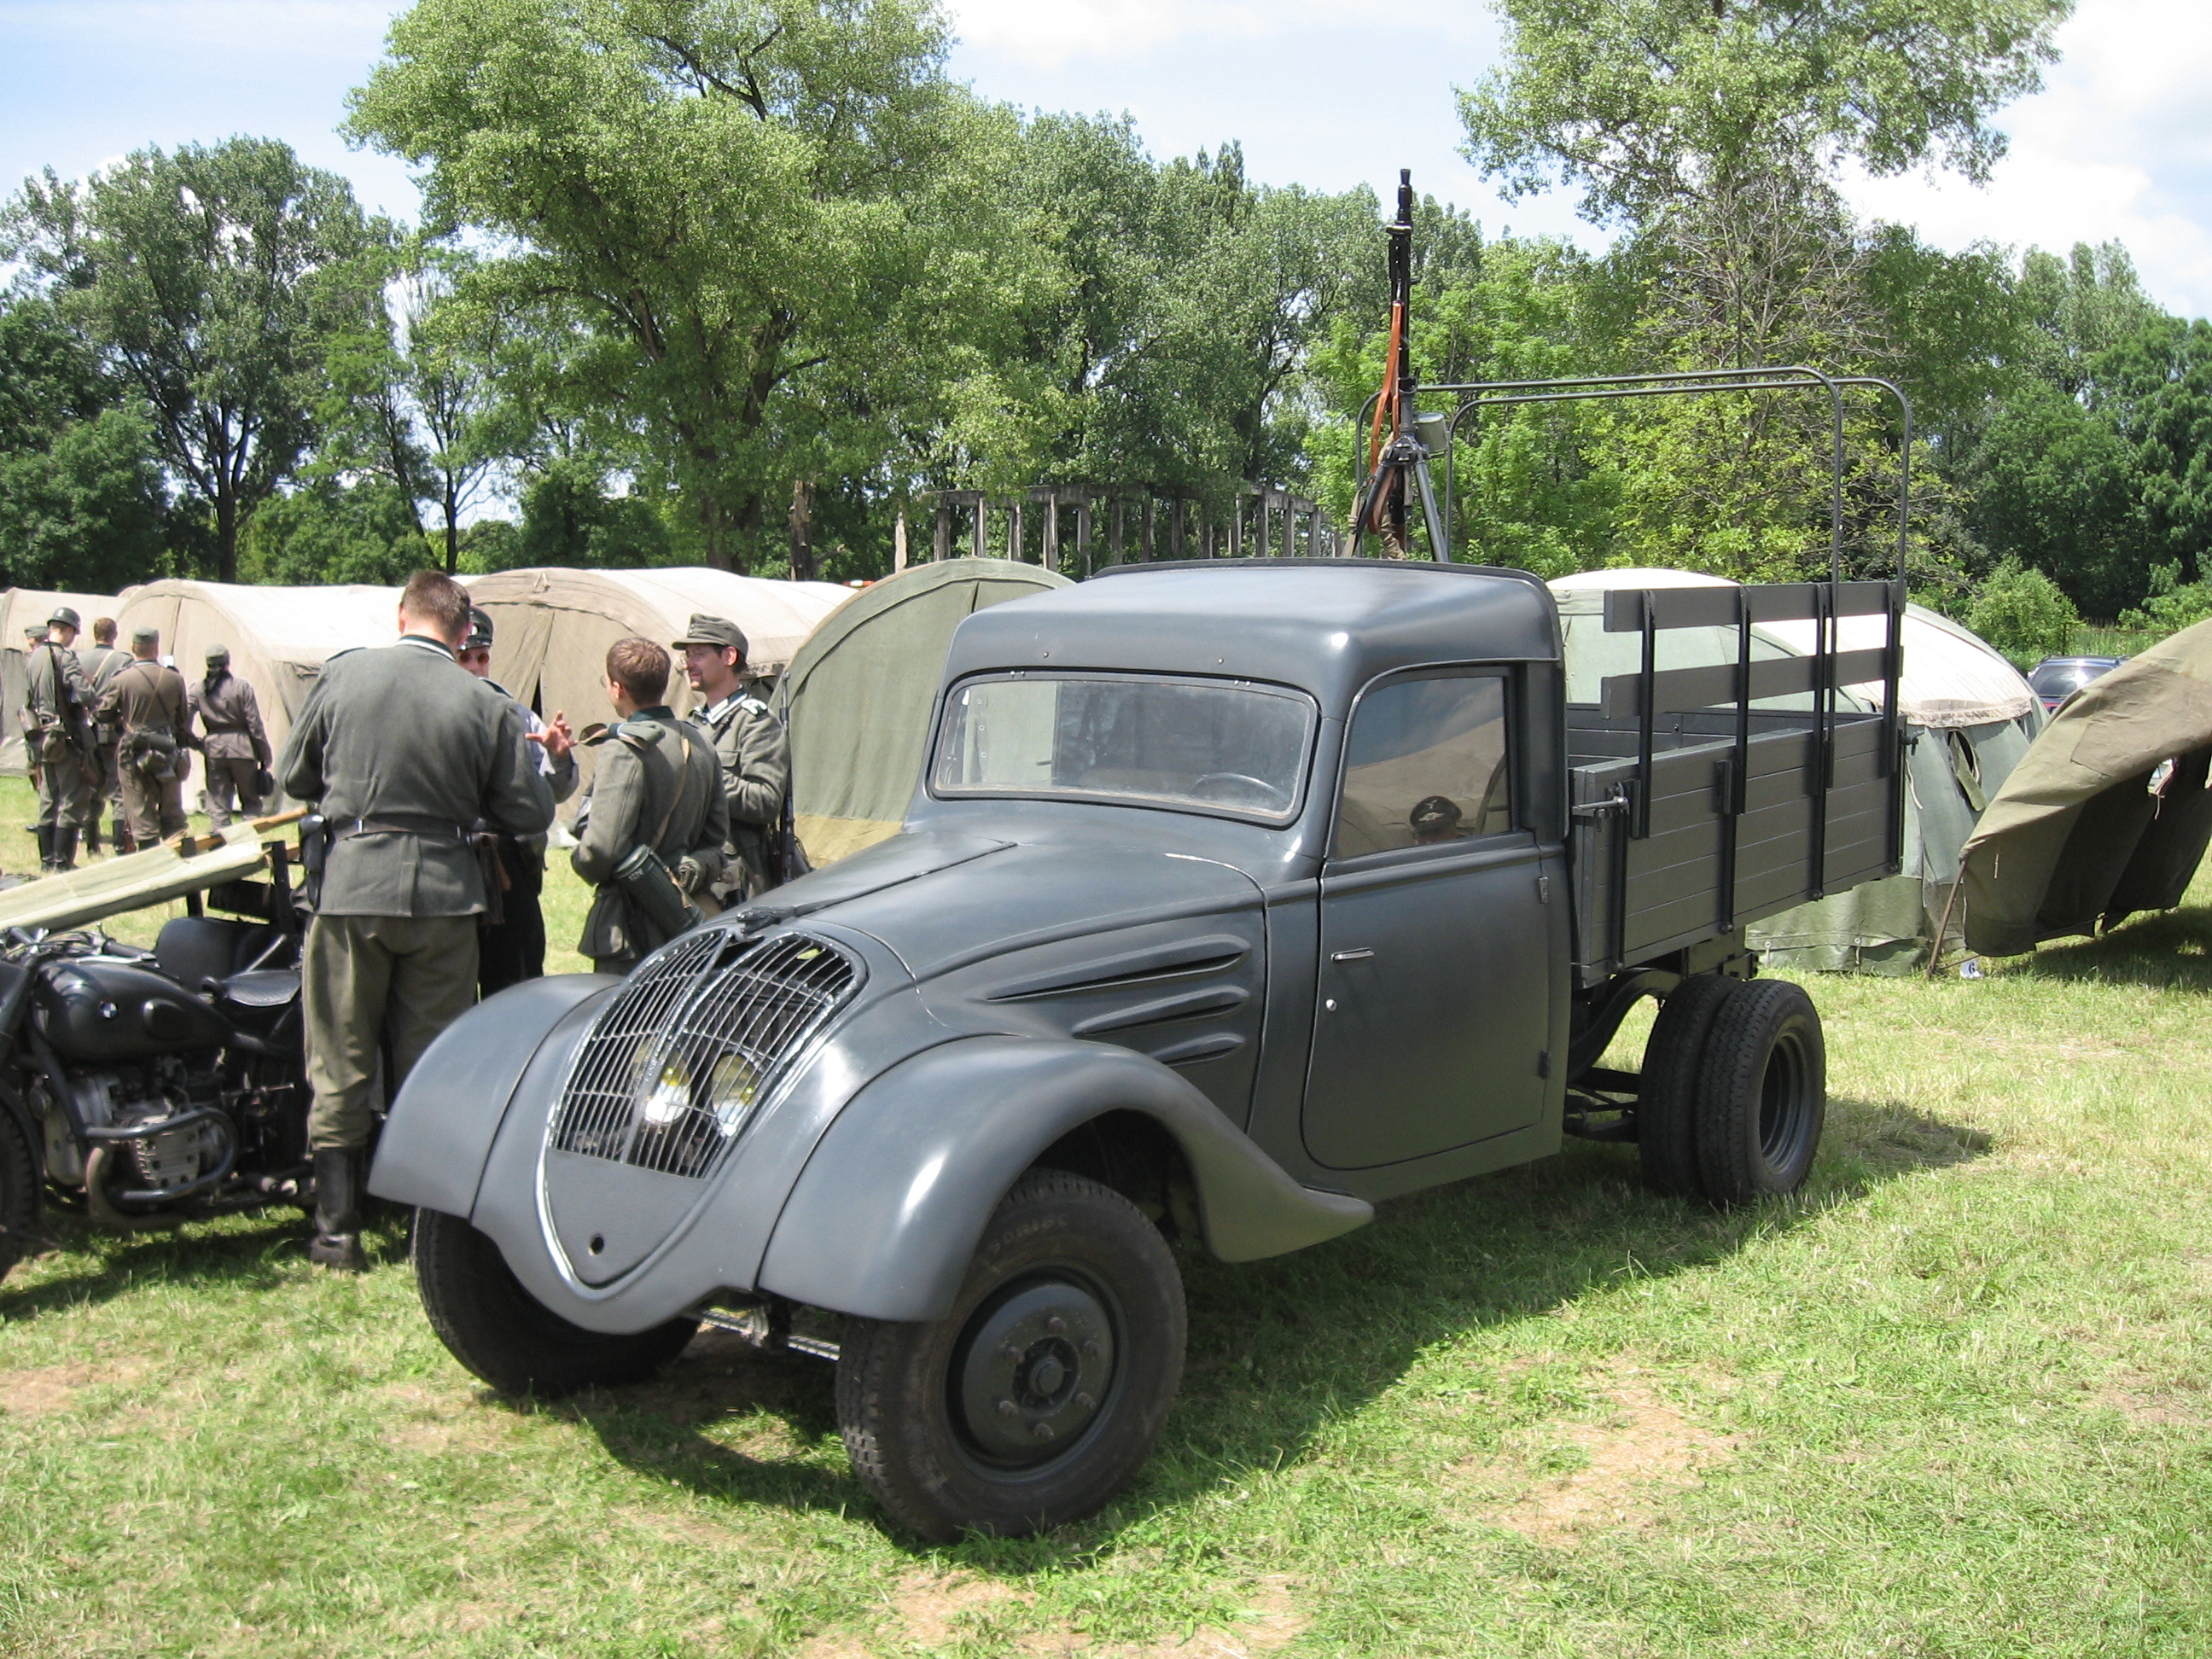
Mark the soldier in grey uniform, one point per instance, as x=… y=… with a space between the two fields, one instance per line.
x=102 y=664
x=58 y=737
x=657 y=785
x=513 y=949
x=148 y=701
x=753 y=748
x=231 y=738
x=405 y=751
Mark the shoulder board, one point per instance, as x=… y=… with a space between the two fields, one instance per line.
x=752 y=704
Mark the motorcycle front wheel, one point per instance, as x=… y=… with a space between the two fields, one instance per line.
x=507 y=1336
x=20 y=1212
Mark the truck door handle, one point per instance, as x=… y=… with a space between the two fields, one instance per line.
x=1360 y=955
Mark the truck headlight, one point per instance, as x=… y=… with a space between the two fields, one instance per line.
x=669 y=1099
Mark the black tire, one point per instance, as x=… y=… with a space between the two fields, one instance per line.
x=1667 y=1100
x=1073 y=1296
x=21 y=1210
x=501 y=1333
x=1762 y=1091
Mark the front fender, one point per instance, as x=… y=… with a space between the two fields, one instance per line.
x=441 y=1130
x=885 y=1215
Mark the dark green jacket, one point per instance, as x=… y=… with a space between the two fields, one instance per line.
x=406 y=738
x=655 y=772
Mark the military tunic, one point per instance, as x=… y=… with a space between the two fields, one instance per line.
x=101 y=665
x=513 y=949
x=655 y=772
x=149 y=702
x=755 y=752
x=57 y=735
x=234 y=742
x=404 y=750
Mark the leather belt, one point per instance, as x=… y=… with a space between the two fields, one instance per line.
x=399 y=824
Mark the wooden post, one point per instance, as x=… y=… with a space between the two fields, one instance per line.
x=1014 y=530
x=1083 y=534
x=982 y=527
x=940 y=544
x=1049 y=541
x=1119 y=508
x=898 y=541
x=1152 y=518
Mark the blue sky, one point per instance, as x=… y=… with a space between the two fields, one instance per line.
x=1323 y=92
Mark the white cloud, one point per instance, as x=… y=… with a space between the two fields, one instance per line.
x=2118 y=146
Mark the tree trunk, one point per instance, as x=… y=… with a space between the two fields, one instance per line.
x=226 y=537
x=453 y=531
x=714 y=525
x=802 y=525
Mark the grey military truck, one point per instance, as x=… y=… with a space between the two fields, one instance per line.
x=1235 y=897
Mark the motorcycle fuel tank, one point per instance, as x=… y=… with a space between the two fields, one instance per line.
x=111 y=1010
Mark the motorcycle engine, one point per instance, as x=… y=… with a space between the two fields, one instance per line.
x=117 y=1099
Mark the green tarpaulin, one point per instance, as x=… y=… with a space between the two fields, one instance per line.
x=2108 y=813
x=858 y=696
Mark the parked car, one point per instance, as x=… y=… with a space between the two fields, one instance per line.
x=2056 y=678
x=1235 y=897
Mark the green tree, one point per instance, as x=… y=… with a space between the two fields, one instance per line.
x=2022 y=612
x=198 y=277
x=2155 y=389
x=752 y=202
x=82 y=503
x=415 y=382
x=568 y=519
x=326 y=531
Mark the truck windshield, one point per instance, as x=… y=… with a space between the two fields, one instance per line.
x=1212 y=745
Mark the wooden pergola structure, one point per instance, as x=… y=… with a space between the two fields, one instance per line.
x=1072 y=522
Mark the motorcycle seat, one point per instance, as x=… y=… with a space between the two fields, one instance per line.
x=263 y=987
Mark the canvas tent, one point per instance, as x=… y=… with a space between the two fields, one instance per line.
x=552 y=626
x=2108 y=814
x=1969 y=716
x=279 y=637
x=859 y=693
x=29 y=607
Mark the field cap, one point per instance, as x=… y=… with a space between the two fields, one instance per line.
x=143 y=636
x=479 y=637
x=65 y=617
x=717 y=631
x=218 y=654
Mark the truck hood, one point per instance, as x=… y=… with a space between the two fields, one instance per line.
x=940 y=901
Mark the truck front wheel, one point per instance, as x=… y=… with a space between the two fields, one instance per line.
x=1038 y=1397
x=501 y=1333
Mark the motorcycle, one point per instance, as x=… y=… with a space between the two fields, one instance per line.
x=144 y=1088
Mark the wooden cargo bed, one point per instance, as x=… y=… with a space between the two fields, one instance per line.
x=1691 y=820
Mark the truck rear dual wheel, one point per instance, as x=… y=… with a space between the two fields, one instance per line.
x=509 y=1338
x=1734 y=1091
x=1037 y=1398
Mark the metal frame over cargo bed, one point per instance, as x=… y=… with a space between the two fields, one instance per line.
x=1693 y=811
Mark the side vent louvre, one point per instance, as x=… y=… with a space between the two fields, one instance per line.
x=1196 y=955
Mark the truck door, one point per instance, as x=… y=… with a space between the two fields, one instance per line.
x=1434 y=987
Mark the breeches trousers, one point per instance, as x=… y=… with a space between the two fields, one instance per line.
x=366 y=979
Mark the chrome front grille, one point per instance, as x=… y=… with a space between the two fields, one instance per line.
x=677 y=1064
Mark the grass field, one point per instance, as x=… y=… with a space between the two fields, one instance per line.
x=1956 y=1401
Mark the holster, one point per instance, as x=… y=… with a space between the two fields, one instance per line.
x=315 y=836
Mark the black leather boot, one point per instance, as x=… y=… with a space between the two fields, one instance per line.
x=336 y=1242
x=65 y=848
x=92 y=838
x=45 y=850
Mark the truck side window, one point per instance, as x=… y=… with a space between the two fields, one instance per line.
x=1425 y=764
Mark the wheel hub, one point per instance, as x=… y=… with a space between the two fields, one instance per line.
x=1032 y=1370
